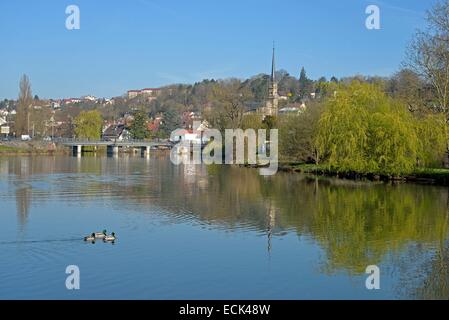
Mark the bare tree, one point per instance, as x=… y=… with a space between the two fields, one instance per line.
x=409 y=87
x=23 y=107
x=428 y=55
x=230 y=97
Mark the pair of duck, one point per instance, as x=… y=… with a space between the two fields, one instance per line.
x=100 y=235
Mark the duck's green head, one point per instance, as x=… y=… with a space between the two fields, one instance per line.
x=113 y=234
x=104 y=231
x=93 y=234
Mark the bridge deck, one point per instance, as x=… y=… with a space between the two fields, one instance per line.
x=128 y=143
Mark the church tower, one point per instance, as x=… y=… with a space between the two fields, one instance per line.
x=271 y=107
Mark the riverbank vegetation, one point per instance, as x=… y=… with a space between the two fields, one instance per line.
x=361 y=131
x=29 y=148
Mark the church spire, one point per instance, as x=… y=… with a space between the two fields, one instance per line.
x=271 y=104
x=273 y=68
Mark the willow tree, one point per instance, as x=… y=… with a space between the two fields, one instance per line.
x=365 y=131
x=432 y=132
x=88 y=124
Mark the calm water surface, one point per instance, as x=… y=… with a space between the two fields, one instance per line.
x=198 y=232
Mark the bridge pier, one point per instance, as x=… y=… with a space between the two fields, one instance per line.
x=77 y=150
x=145 y=151
x=112 y=150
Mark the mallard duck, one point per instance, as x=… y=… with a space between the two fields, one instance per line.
x=90 y=238
x=110 y=237
x=100 y=235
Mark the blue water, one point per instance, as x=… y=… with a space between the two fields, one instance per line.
x=200 y=232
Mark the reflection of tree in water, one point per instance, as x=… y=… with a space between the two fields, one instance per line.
x=430 y=280
x=23 y=203
x=358 y=225
x=22 y=167
x=436 y=282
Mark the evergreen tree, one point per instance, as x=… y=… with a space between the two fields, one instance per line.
x=139 y=126
x=305 y=84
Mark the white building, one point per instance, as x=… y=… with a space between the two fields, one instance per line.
x=109 y=101
x=294 y=109
x=71 y=100
x=150 y=93
x=194 y=135
x=89 y=98
x=133 y=93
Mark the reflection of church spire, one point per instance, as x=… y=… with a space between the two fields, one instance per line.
x=271 y=222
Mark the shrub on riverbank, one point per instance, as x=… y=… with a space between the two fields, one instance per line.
x=297 y=134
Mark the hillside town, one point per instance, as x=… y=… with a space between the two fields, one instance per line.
x=167 y=108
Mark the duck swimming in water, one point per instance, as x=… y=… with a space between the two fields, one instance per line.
x=110 y=237
x=90 y=238
x=100 y=235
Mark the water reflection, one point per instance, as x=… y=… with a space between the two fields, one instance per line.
x=436 y=282
x=355 y=223
x=23 y=202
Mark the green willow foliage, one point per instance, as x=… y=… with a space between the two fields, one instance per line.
x=363 y=130
x=432 y=138
x=88 y=125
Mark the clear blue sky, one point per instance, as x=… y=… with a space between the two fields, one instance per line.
x=149 y=43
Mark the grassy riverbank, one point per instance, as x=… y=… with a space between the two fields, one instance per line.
x=424 y=175
x=11 y=150
x=28 y=148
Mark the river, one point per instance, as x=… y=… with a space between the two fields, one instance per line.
x=214 y=232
